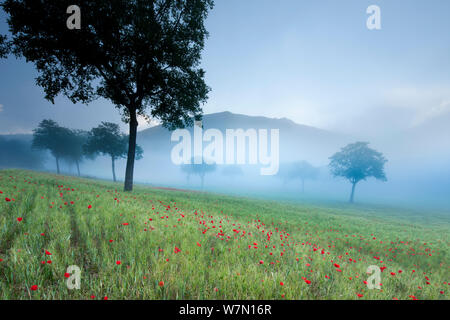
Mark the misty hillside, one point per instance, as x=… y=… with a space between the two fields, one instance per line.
x=414 y=175
x=297 y=142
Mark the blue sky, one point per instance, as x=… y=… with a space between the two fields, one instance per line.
x=312 y=61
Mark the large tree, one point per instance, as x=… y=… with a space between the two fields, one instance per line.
x=106 y=139
x=54 y=138
x=142 y=55
x=357 y=162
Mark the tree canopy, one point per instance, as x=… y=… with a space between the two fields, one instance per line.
x=50 y=136
x=357 y=162
x=143 y=56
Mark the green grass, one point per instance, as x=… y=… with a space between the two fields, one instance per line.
x=222 y=241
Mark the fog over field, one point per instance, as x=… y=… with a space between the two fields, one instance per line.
x=417 y=169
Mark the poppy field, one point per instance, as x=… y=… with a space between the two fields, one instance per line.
x=157 y=243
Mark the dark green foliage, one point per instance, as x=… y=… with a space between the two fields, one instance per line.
x=54 y=138
x=142 y=55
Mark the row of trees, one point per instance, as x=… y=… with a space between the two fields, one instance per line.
x=355 y=162
x=75 y=145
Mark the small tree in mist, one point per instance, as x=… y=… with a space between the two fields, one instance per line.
x=200 y=170
x=357 y=162
x=144 y=56
x=300 y=170
x=54 y=138
x=303 y=170
x=75 y=152
x=106 y=139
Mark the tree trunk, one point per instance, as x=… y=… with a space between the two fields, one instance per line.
x=131 y=150
x=57 y=165
x=113 y=169
x=352 y=196
x=78 y=167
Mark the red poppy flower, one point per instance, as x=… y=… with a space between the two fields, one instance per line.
x=161 y=283
x=34 y=287
x=67 y=275
x=47 y=253
x=89 y=206
x=118 y=262
x=7 y=199
x=19 y=219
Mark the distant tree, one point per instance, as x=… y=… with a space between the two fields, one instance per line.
x=200 y=170
x=232 y=171
x=357 y=162
x=106 y=139
x=19 y=155
x=299 y=170
x=75 y=153
x=303 y=170
x=51 y=136
x=138 y=54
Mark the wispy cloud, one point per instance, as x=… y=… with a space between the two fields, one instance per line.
x=426 y=104
x=1 y=107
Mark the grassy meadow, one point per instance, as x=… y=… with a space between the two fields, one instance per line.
x=157 y=243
